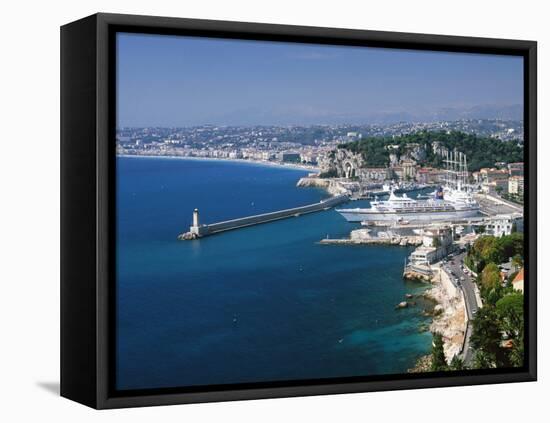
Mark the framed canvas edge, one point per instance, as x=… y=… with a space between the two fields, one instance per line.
x=105 y=114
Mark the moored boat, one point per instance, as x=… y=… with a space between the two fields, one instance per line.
x=445 y=205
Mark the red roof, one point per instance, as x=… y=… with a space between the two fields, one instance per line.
x=519 y=276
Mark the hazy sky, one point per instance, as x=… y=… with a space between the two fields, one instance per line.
x=183 y=81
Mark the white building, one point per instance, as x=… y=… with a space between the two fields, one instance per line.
x=500 y=225
x=423 y=255
x=440 y=235
x=515 y=185
x=308 y=157
x=436 y=242
x=353 y=136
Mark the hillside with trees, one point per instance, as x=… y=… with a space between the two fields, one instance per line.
x=489 y=249
x=498 y=327
x=481 y=151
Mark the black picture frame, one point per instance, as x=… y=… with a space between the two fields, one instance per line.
x=87 y=208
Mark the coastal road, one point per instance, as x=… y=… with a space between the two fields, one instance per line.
x=454 y=267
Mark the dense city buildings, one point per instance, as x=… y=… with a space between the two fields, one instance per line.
x=293 y=143
x=326 y=147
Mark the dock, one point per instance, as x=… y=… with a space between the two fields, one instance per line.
x=368 y=195
x=473 y=221
x=402 y=241
x=198 y=230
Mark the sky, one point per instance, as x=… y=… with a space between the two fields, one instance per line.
x=173 y=81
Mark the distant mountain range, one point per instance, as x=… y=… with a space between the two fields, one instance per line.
x=306 y=116
x=513 y=112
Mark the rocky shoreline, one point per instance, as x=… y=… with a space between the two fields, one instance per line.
x=449 y=314
x=449 y=320
x=331 y=186
x=363 y=237
x=423 y=365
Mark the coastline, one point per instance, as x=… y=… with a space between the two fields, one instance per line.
x=224 y=159
x=449 y=319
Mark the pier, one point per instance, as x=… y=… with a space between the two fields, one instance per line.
x=402 y=241
x=481 y=220
x=369 y=195
x=198 y=230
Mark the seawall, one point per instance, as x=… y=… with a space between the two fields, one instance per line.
x=213 y=228
x=452 y=322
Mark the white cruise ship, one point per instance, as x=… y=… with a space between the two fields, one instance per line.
x=445 y=205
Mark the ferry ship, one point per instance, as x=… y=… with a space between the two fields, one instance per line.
x=454 y=201
x=446 y=204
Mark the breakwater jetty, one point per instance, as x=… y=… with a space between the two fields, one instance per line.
x=198 y=230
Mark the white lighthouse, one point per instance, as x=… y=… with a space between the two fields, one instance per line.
x=195 y=229
x=196 y=218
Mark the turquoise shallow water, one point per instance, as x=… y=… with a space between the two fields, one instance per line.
x=257 y=304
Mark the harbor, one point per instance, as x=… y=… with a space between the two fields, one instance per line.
x=440 y=225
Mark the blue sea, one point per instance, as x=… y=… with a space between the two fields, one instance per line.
x=263 y=303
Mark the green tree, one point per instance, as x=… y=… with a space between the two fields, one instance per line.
x=483 y=360
x=486 y=338
x=517 y=352
x=469 y=262
x=487 y=249
x=490 y=276
x=510 y=314
x=491 y=286
x=509 y=246
x=457 y=363
x=517 y=262
x=481 y=151
x=438 y=354
x=511 y=322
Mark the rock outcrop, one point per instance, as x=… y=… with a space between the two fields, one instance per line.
x=423 y=365
x=332 y=186
x=315 y=182
x=365 y=235
x=449 y=317
x=341 y=163
x=187 y=236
